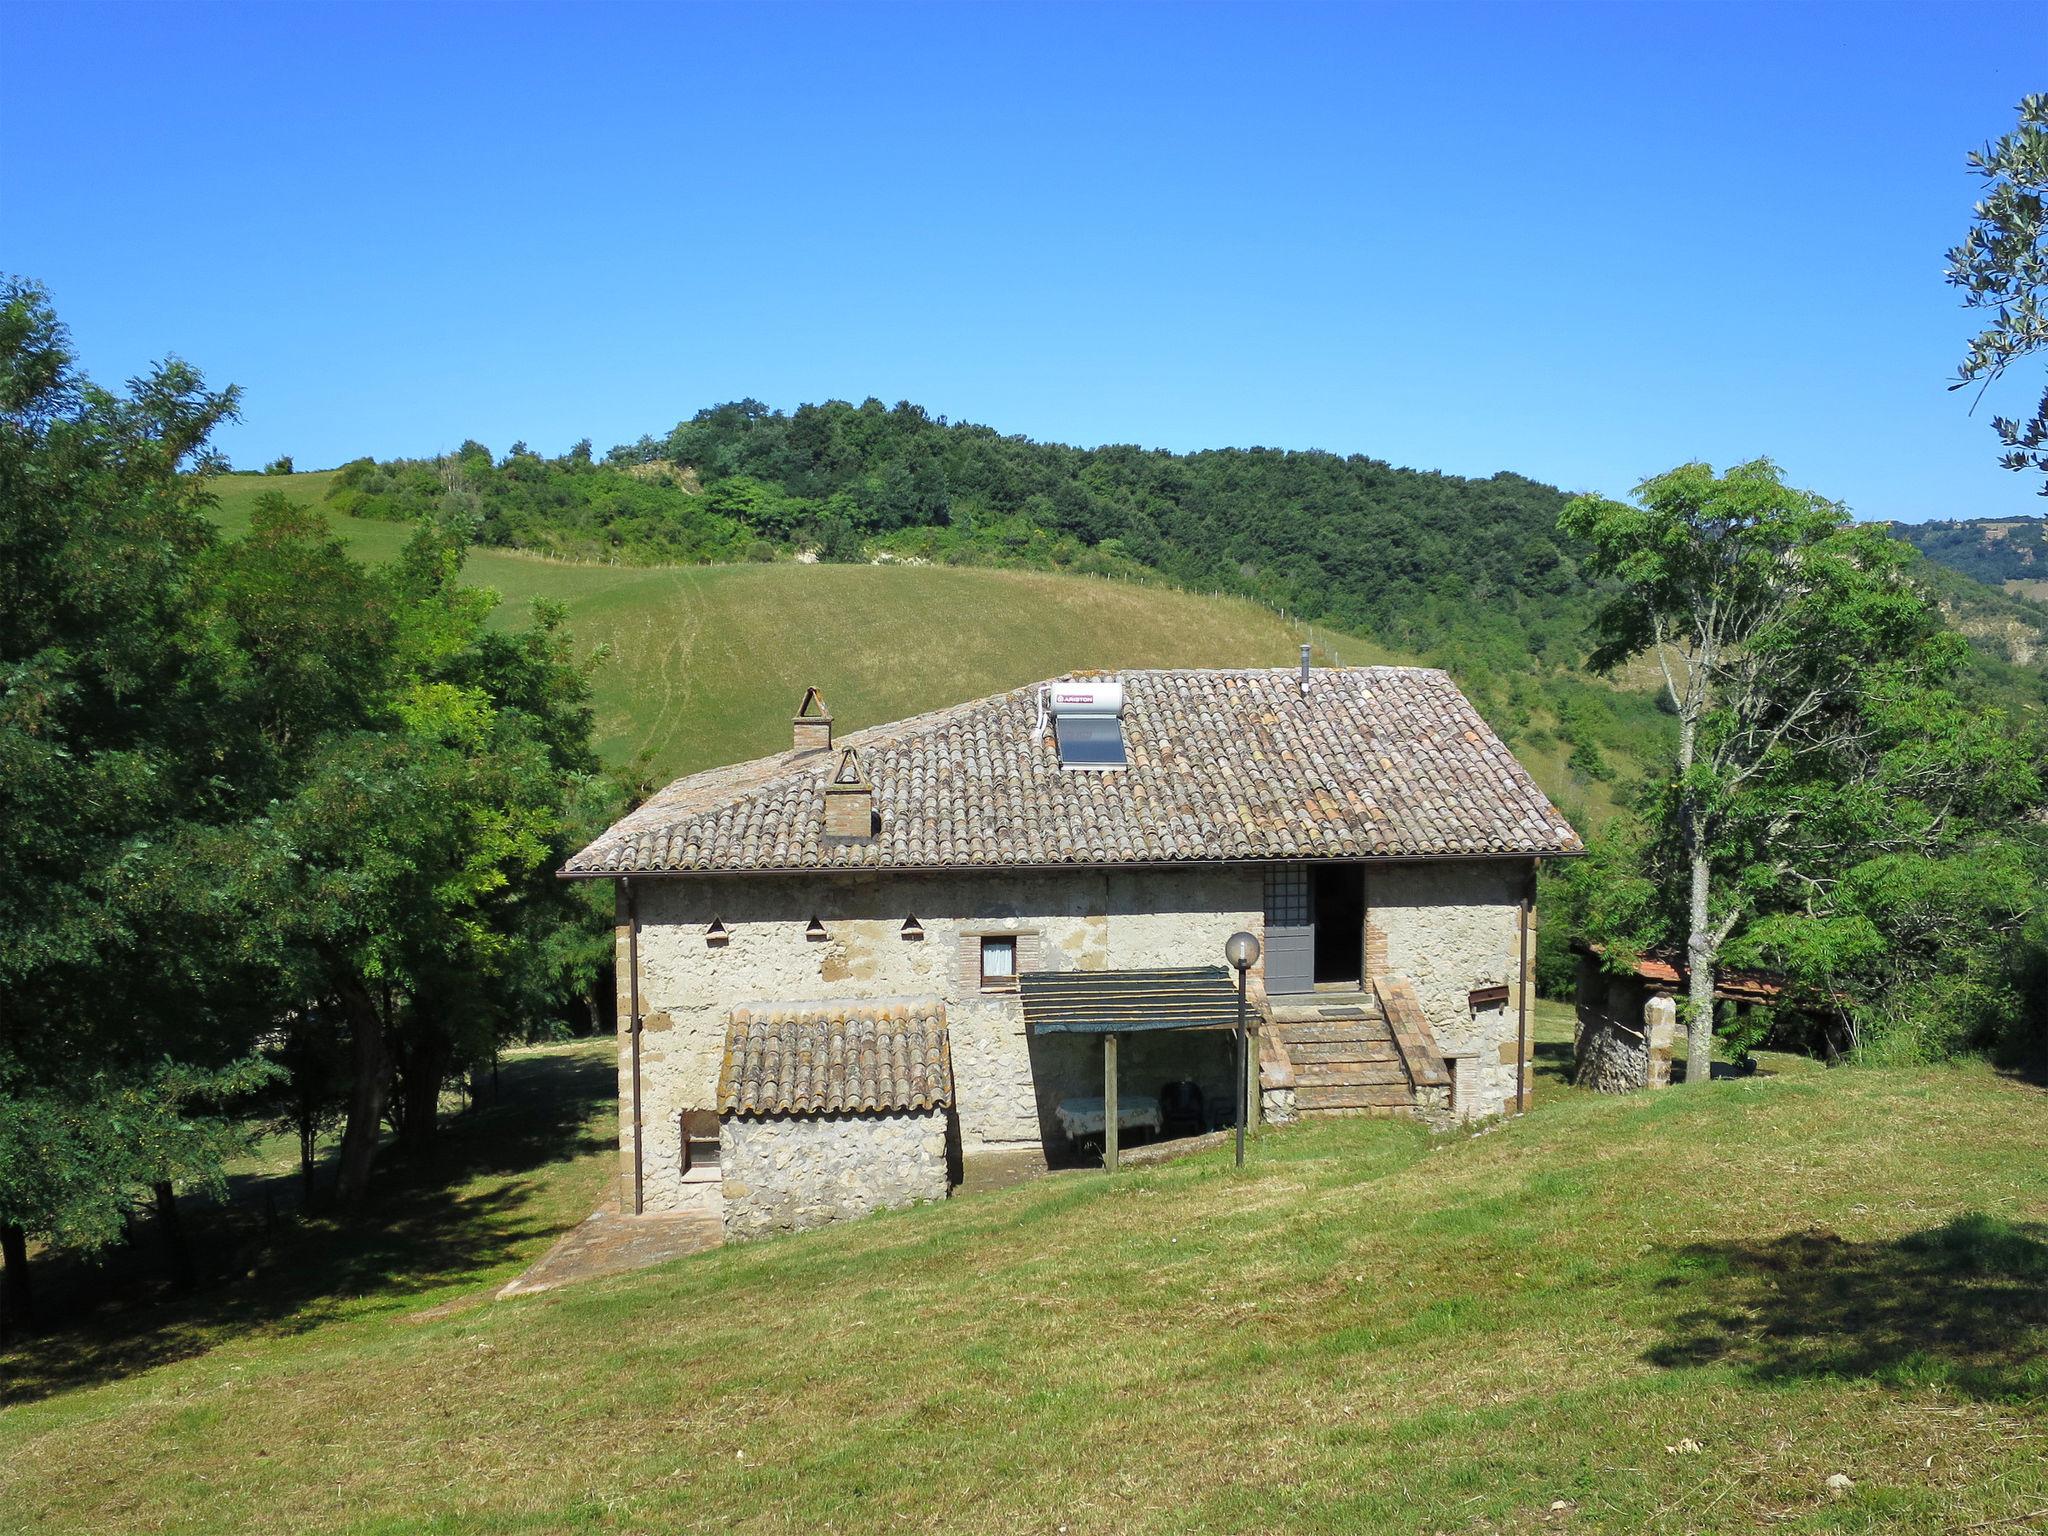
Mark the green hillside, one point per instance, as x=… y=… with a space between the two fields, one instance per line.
x=708 y=663
x=1999 y=551
x=1538 y=1328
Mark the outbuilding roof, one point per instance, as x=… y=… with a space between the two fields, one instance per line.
x=831 y=1059
x=1366 y=762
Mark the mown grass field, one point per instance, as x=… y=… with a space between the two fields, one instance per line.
x=1670 y=1314
x=700 y=660
x=706 y=664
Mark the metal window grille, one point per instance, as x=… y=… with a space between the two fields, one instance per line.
x=1287 y=895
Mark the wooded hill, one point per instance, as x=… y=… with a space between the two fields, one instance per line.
x=2007 y=552
x=1470 y=574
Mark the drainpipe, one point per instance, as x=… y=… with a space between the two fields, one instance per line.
x=633 y=1029
x=1522 y=1005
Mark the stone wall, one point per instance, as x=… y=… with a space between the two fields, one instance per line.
x=1625 y=1033
x=1452 y=928
x=1004 y=1084
x=786 y=1173
x=1449 y=926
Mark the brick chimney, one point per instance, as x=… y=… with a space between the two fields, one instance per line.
x=849 y=800
x=813 y=723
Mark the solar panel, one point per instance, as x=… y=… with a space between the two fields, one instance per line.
x=1090 y=741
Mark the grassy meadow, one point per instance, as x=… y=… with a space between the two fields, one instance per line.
x=700 y=660
x=706 y=664
x=1671 y=1314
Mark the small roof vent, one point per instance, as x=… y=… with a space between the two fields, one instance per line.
x=1087 y=723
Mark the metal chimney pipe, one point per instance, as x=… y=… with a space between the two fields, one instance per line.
x=1304 y=669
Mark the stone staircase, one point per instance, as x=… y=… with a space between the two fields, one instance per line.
x=1347 y=1058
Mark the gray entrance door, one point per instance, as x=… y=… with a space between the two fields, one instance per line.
x=1290 y=949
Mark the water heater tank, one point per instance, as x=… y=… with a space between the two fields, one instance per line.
x=1085 y=698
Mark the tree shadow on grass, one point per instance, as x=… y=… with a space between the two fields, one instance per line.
x=459 y=1209
x=1963 y=1305
x=1552 y=1062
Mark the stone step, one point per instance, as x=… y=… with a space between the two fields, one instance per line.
x=1354 y=1096
x=1336 y=1030
x=1341 y=1050
x=1294 y=1010
x=1378 y=1074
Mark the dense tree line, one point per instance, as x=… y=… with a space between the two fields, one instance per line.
x=1474 y=575
x=277 y=832
x=1469 y=573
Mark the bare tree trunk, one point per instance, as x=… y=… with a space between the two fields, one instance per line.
x=1700 y=947
x=1700 y=959
x=369 y=1092
x=176 y=1254
x=309 y=1146
x=17 y=1310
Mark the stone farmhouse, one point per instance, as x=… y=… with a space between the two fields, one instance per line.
x=858 y=971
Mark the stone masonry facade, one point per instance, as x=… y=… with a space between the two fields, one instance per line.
x=787 y=1173
x=1453 y=928
x=1625 y=1032
x=709 y=944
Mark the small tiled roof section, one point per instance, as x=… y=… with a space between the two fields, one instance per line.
x=832 y=1059
x=1369 y=762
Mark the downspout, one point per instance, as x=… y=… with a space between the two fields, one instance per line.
x=1522 y=1004
x=633 y=1029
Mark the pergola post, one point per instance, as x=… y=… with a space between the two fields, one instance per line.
x=1109 y=1103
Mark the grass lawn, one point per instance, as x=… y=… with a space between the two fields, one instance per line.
x=1673 y=1313
x=707 y=663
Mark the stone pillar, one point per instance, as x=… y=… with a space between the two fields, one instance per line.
x=1613 y=1036
x=1660 y=1031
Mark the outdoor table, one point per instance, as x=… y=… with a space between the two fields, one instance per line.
x=1082 y=1118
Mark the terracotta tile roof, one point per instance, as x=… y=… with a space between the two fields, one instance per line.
x=1663 y=971
x=1224 y=765
x=820 y=1059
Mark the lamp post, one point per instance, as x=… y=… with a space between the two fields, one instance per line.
x=1241 y=949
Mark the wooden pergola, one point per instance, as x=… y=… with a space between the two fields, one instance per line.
x=1113 y=1004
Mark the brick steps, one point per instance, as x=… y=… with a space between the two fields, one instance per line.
x=1345 y=1074
x=1354 y=1096
x=1344 y=1057
x=1301 y=1051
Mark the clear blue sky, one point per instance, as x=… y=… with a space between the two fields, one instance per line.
x=1584 y=243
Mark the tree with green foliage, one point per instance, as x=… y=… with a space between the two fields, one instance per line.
x=1816 y=730
x=120 y=1029
x=2002 y=266
x=432 y=772
x=247 y=790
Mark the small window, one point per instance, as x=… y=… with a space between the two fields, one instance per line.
x=1287 y=895
x=999 y=965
